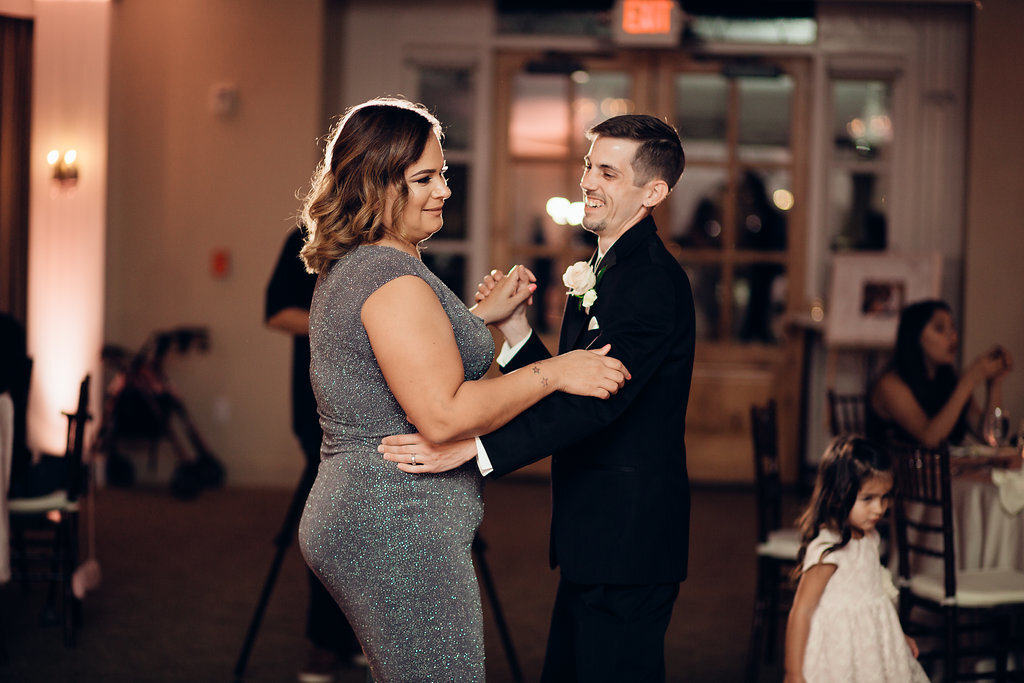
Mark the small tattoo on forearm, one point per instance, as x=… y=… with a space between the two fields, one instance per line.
x=536 y=370
x=544 y=382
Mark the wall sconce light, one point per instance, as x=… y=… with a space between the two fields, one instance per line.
x=64 y=167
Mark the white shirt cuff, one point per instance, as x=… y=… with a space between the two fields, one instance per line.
x=482 y=461
x=508 y=353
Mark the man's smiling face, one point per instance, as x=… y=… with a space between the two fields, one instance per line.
x=612 y=200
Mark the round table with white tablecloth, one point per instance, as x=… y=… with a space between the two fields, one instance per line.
x=986 y=534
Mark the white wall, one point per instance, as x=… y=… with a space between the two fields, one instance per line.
x=384 y=32
x=994 y=282
x=185 y=182
x=66 y=227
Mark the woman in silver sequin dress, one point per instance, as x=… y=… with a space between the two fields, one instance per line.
x=392 y=347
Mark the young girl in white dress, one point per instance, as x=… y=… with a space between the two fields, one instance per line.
x=843 y=625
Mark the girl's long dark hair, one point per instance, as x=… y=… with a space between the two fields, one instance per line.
x=848 y=462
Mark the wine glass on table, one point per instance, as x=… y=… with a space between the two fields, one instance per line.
x=996 y=428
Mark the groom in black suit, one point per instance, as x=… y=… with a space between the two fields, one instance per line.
x=620 y=492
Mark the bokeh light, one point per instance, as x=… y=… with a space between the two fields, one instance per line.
x=783 y=199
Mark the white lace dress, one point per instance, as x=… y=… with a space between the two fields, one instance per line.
x=855 y=634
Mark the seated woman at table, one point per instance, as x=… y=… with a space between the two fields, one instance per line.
x=920 y=397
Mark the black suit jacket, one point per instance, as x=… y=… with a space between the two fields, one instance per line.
x=620 y=492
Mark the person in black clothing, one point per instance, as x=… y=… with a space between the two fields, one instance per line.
x=287 y=309
x=14 y=378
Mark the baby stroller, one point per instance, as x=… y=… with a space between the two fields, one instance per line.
x=141 y=403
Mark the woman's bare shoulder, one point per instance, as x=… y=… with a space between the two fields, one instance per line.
x=888 y=380
x=886 y=389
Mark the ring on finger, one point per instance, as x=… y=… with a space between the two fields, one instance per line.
x=413 y=456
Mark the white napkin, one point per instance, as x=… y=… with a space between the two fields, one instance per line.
x=1011 y=489
x=973 y=450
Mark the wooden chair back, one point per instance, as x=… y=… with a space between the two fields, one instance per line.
x=75 y=448
x=768 y=485
x=847 y=413
x=923 y=510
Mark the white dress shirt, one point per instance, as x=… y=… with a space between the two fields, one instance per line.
x=506 y=354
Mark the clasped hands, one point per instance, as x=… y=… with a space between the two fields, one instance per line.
x=501 y=300
x=500 y=297
x=993 y=365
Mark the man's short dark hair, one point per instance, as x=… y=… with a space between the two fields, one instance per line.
x=660 y=154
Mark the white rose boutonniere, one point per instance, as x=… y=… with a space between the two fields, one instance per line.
x=581 y=280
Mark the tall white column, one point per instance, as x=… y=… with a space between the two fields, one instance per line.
x=67 y=228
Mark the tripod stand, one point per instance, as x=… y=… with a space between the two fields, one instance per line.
x=283 y=541
x=479 y=546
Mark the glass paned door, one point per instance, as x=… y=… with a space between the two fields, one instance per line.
x=731 y=214
x=862 y=133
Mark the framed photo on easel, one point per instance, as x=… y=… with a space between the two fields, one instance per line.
x=868 y=291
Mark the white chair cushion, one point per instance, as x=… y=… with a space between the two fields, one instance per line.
x=782 y=544
x=976 y=588
x=58 y=500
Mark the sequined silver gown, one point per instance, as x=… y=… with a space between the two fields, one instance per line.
x=392 y=548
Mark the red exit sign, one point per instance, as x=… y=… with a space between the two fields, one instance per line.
x=647 y=17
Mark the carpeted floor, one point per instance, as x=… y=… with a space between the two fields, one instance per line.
x=181 y=581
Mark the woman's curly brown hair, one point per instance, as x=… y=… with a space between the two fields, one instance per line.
x=368 y=152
